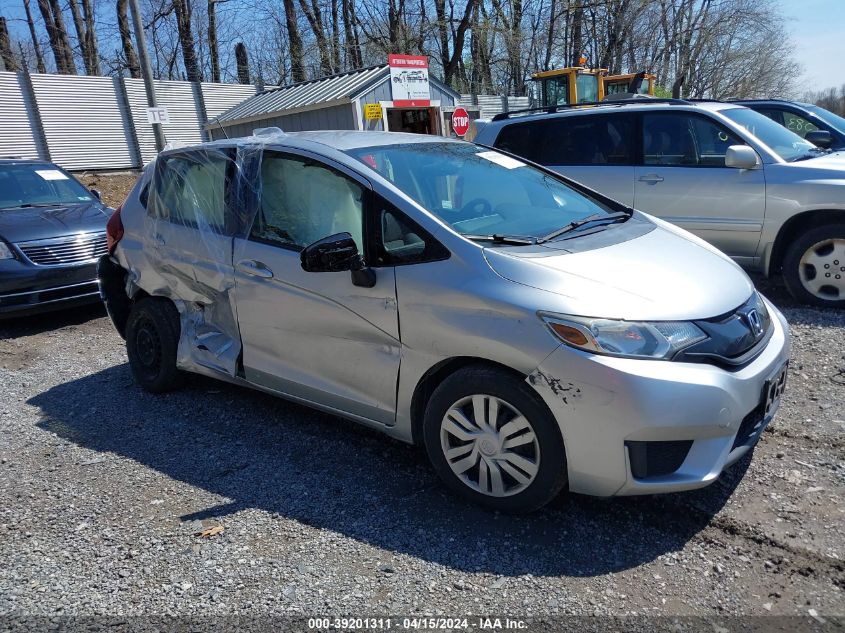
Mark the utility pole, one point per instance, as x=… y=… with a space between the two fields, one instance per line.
x=146 y=69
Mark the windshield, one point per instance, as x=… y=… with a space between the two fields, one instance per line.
x=833 y=120
x=39 y=185
x=786 y=144
x=479 y=191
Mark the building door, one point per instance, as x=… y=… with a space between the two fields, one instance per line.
x=414 y=120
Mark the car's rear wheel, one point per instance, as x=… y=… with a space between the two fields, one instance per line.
x=814 y=266
x=494 y=441
x=152 y=339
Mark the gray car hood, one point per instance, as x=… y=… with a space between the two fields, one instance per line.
x=664 y=275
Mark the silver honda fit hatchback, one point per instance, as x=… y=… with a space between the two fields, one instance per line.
x=531 y=334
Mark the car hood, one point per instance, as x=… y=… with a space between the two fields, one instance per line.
x=835 y=162
x=664 y=275
x=38 y=223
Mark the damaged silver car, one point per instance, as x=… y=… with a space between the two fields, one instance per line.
x=532 y=334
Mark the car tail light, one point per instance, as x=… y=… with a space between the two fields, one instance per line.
x=114 y=230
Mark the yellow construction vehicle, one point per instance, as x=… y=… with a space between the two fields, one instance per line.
x=578 y=84
x=631 y=83
x=575 y=84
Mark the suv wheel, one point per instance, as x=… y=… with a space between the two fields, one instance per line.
x=494 y=441
x=814 y=266
x=152 y=338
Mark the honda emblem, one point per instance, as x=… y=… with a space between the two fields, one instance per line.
x=754 y=322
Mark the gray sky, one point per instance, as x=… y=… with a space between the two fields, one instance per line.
x=818 y=31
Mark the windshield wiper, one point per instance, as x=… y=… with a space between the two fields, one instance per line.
x=499 y=238
x=29 y=205
x=813 y=152
x=610 y=218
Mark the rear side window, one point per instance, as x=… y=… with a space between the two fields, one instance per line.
x=190 y=189
x=681 y=140
x=576 y=140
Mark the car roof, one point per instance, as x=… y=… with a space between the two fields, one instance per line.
x=774 y=102
x=20 y=160
x=342 y=140
x=638 y=105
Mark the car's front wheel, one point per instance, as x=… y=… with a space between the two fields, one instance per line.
x=494 y=441
x=814 y=266
x=152 y=339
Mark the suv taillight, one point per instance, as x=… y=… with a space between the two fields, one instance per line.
x=114 y=230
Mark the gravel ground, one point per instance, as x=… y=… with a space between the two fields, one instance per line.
x=114 y=186
x=105 y=491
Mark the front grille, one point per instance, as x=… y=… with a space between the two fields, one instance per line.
x=732 y=340
x=70 y=249
x=656 y=459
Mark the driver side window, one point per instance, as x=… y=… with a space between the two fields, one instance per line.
x=678 y=139
x=402 y=241
x=302 y=201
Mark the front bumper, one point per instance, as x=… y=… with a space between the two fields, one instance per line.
x=27 y=289
x=605 y=406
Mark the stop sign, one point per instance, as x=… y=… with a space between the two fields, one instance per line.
x=460 y=121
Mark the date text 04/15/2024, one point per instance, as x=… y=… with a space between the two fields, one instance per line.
x=416 y=623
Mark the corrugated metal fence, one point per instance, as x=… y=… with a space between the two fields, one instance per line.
x=101 y=122
x=491 y=105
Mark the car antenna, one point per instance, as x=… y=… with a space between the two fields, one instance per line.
x=220 y=125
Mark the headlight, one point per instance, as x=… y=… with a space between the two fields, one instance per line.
x=5 y=251
x=658 y=339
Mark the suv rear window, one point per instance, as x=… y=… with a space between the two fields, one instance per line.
x=575 y=140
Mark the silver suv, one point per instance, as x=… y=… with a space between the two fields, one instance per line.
x=530 y=334
x=766 y=197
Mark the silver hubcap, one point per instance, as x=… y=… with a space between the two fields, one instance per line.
x=490 y=445
x=822 y=269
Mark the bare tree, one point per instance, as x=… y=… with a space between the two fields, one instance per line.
x=315 y=20
x=297 y=61
x=9 y=61
x=57 y=33
x=184 y=12
x=123 y=28
x=350 y=33
x=36 y=45
x=212 y=41
x=451 y=59
x=85 y=31
x=242 y=62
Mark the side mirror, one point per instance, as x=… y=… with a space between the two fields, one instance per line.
x=337 y=253
x=96 y=193
x=741 y=157
x=819 y=138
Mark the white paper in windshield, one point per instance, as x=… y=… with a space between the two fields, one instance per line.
x=51 y=174
x=501 y=159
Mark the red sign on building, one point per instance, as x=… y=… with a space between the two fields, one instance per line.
x=409 y=81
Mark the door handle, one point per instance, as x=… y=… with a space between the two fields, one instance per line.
x=651 y=179
x=254 y=268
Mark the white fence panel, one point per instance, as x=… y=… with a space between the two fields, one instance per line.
x=17 y=132
x=491 y=105
x=182 y=108
x=84 y=123
x=220 y=97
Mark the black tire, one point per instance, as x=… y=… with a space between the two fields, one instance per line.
x=152 y=338
x=829 y=296
x=550 y=477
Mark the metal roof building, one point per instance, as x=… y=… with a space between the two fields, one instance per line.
x=338 y=102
